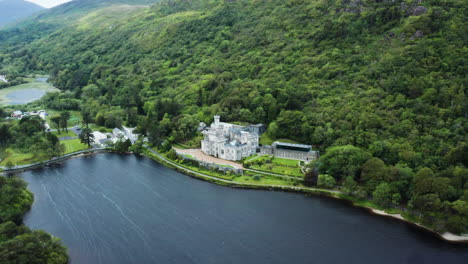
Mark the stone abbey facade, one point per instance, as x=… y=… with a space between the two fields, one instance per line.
x=229 y=141
x=290 y=151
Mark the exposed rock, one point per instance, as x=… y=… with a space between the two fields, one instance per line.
x=403 y=6
x=419 y=10
x=417 y=35
x=354 y=6
x=413 y=9
x=402 y=37
x=390 y=35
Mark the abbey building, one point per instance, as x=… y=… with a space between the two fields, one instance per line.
x=229 y=141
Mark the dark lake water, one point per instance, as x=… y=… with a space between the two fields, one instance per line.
x=112 y=208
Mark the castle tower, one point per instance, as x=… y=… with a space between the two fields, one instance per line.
x=216 y=119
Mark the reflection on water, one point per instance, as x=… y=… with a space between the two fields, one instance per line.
x=113 y=208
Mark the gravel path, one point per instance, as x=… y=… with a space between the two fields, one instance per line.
x=198 y=154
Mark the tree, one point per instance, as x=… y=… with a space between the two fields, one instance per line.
x=349 y=185
x=86 y=118
x=373 y=172
x=343 y=161
x=5 y=134
x=383 y=194
x=123 y=145
x=15 y=199
x=311 y=177
x=326 y=181
x=64 y=116
x=87 y=136
x=57 y=122
x=423 y=181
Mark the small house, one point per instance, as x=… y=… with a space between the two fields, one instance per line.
x=17 y=114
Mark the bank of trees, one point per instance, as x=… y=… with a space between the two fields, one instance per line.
x=19 y=244
x=440 y=199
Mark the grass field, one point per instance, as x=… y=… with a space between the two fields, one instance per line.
x=20 y=158
x=64 y=134
x=16 y=158
x=73 y=145
x=277 y=165
x=74 y=120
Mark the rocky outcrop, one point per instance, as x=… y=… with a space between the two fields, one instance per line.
x=414 y=9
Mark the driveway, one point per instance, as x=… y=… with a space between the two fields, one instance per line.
x=198 y=154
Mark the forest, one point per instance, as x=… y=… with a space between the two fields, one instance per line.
x=379 y=87
x=19 y=244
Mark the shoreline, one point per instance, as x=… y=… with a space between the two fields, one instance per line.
x=446 y=236
x=42 y=164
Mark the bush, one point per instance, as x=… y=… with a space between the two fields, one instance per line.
x=171 y=154
x=257 y=177
x=326 y=181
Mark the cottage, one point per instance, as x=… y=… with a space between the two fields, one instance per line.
x=17 y=114
x=228 y=141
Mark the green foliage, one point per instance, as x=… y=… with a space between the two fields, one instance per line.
x=15 y=199
x=326 y=181
x=21 y=245
x=18 y=244
x=171 y=154
x=378 y=88
x=373 y=172
x=87 y=136
x=383 y=194
x=343 y=161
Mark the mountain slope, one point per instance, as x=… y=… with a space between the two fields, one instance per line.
x=14 y=10
x=388 y=77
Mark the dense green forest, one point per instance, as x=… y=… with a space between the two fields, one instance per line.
x=18 y=244
x=379 y=87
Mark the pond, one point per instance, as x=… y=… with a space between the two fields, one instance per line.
x=26 y=93
x=113 y=208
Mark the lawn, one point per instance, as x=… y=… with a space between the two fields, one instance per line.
x=101 y=129
x=64 y=134
x=286 y=162
x=278 y=169
x=19 y=158
x=74 y=120
x=73 y=145
x=277 y=165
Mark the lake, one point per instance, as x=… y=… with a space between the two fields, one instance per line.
x=27 y=92
x=111 y=208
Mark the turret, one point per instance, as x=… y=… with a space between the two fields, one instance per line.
x=216 y=119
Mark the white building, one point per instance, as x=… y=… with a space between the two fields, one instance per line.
x=228 y=141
